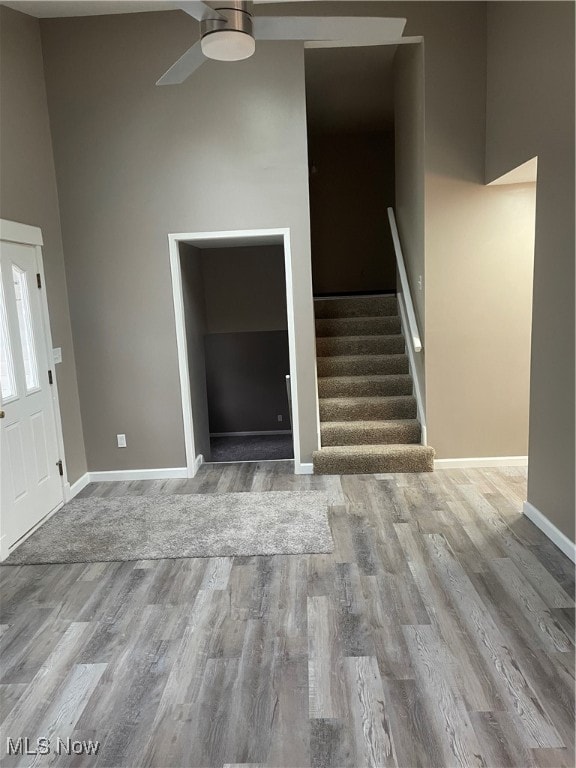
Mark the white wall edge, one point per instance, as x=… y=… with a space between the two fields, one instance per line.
x=482 y=461
x=123 y=475
x=421 y=410
x=409 y=40
x=198 y=463
x=303 y=469
x=549 y=529
x=182 y=347
x=70 y=491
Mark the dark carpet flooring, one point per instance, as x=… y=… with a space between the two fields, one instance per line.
x=252 y=448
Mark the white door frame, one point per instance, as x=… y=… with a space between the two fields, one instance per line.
x=25 y=234
x=233 y=239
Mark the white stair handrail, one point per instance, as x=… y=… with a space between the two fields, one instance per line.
x=412 y=323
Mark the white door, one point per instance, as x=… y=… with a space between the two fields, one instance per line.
x=31 y=485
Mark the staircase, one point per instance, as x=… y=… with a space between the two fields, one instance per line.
x=367 y=410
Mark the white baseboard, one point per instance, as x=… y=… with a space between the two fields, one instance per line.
x=252 y=434
x=484 y=461
x=303 y=469
x=178 y=473
x=549 y=529
x=73 y=490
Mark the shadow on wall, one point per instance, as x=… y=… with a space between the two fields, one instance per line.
x=351 y=186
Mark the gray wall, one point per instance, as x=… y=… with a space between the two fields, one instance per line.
x=531 y=112
x=351 y=187
x=410 y=166
x=28 y=195
x=135 y=162
x=246 y=375
x=224 y=151
x=193 y=294
x=479 y=252
x=477 y=241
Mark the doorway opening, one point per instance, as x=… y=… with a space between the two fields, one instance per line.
x=236 y=347
x=351 y=153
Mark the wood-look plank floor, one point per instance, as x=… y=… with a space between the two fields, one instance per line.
x=439 y=633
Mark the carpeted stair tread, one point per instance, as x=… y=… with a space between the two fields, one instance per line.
x=365 y=386
x=372 y=459
x=358 y=326
x=360 y=345
x=361 y=365
x=359 y=306
x=368 y=412
x=344 y=433
x=367 y=408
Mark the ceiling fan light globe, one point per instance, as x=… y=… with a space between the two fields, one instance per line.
x=228 y=45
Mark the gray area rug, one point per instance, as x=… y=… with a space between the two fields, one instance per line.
x=192 y=525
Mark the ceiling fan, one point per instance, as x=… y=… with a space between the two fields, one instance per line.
x=228 y=32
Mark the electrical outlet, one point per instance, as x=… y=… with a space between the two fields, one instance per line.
x=121 y=439
x=280 y=417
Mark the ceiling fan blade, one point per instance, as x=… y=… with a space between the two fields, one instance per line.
x=199 y=10
x=326 y=30
x=184 y=67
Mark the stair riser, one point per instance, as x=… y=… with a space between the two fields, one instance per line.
x=358 y=307
x=350 y=345
x=343 y=465
x=356 y=435
x=331 y=386
x=367 y=408
x=342 y=366
x=358 y=326
x=390 y=408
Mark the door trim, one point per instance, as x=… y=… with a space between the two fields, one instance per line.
x=232 y=238
x=14 y=232
x=25 y=234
